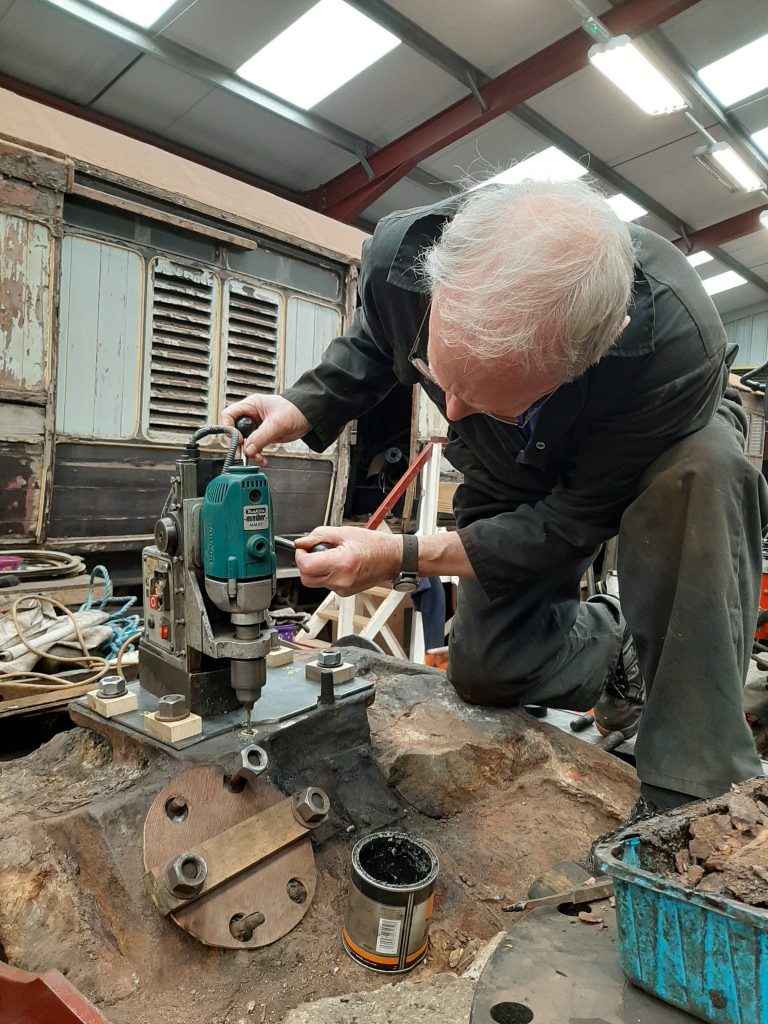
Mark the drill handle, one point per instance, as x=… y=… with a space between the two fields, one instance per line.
x=245 y=425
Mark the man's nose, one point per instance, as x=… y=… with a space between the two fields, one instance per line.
x=455 y=409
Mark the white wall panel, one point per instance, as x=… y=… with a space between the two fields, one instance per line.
x=99 y=339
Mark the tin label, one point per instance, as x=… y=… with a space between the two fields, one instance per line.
x=388 y=939
x=255 y=517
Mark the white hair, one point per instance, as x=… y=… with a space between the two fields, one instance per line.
x=538 y=271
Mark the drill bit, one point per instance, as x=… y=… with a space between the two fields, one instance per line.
x=248 y=710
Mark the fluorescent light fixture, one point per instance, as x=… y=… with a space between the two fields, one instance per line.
x=763 y=218
x=722 y=282
x=625 y=207
x=739 y=74
x=317 y=54
x=549 y=165
x=761 y=139
x=697 y=258
x=727 y=166
x=140 y=12
x=621 y=62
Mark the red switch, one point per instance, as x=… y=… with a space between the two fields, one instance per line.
x=163 y=632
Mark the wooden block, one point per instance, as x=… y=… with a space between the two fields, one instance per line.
x=172 y=732
x=111 y=706
x=280 y=656
x=341 y=674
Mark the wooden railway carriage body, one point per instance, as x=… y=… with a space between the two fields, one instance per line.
x=140 y=294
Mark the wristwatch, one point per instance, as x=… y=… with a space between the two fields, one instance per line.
x=407 y=580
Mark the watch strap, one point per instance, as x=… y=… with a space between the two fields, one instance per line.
x=410 y=562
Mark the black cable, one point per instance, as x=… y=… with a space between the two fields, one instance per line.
x=229 y=458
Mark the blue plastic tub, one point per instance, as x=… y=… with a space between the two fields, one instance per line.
x=702 y=952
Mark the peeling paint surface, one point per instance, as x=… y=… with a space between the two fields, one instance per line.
x=20 y=472
x=25 y=256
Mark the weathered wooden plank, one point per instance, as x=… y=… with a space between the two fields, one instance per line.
x=25 y=299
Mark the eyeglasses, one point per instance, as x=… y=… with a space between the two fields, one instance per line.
x=425 y=370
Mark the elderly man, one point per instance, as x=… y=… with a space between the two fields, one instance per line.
x=582 y=368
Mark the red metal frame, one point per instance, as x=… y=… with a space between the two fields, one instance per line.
x=399 y=489
x=349 y=193
x=43 y=999
x=722 y=232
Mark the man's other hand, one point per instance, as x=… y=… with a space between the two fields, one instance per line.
x=358 y=559
x=277 y=421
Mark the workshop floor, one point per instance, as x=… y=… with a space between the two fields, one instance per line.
x=500 y=796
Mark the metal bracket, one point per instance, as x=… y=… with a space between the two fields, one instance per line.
x=475 y=90
x=233 y=851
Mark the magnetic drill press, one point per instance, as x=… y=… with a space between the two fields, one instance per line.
x=209 y=580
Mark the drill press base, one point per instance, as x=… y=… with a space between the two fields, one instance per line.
x=287 y=694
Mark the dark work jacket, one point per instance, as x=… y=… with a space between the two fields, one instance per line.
x=554 y=497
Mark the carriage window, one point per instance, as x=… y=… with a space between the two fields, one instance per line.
x=288 y=271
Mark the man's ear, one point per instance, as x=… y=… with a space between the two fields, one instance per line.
x=625 y=325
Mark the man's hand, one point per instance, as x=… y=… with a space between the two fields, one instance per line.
x=277 y=420
x=359 y=559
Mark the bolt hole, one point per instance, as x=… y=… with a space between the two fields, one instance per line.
x=573 y=909
x=511 y=1013
x=296 y=890
x=255 y=494
x=190 y=868
x=254 y=758
x=317 y=801
x=176 y=809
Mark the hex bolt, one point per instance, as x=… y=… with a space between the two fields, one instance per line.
x=242 y=927
x=172 y=708
x=329 y=658
x=311 y=806
x=185 y=875
x=112 y=686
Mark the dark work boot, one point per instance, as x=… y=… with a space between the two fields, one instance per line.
x=621 y=702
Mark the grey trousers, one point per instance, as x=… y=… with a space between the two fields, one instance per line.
x=690 y=563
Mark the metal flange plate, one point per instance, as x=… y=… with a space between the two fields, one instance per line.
x=197 y=805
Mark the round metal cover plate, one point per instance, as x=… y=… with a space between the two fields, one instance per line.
x=280 y=887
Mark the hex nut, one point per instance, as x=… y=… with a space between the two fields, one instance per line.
x=172 y=708
x=112 y=686
x=185 y=875
x=329 y=658
x=311 y=806
x=253 y=761
x=253 y=758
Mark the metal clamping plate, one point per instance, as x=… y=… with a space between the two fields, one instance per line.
x=280 y=887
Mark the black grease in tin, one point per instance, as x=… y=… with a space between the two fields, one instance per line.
x=395 y=860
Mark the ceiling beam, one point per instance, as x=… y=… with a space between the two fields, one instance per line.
x=349 y=193
x=455 y=65
x=722 y=232
x=214 y=74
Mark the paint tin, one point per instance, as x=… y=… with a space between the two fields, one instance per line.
x=390 y=901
